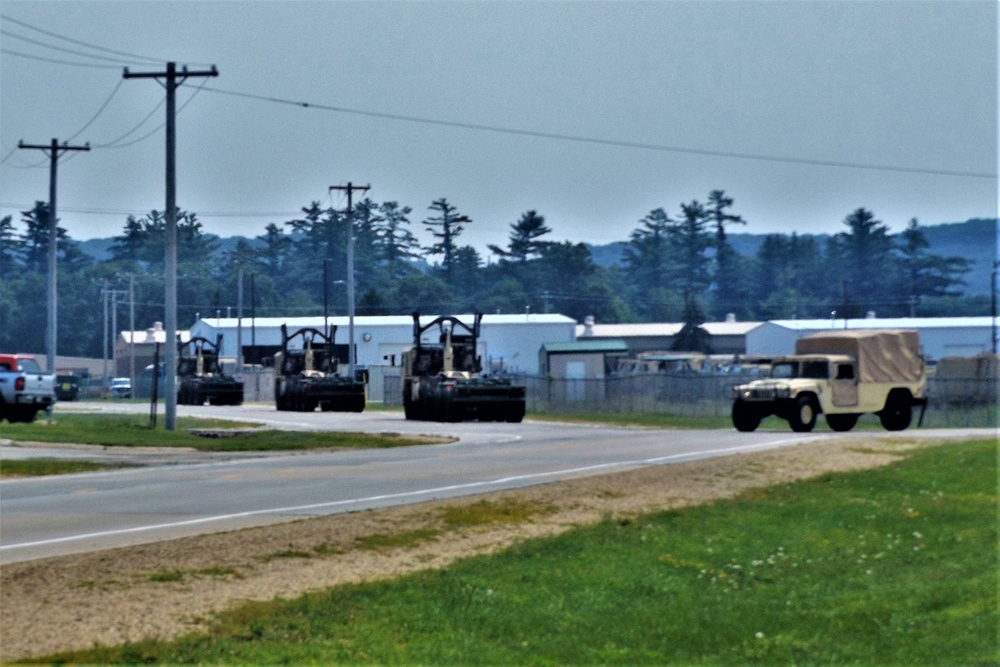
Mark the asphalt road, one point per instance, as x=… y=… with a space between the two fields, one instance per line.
x=185 y=493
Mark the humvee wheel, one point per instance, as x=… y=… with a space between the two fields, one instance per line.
x=803 y=416
x=842 y=422
x=897 y=414
x=745 y=418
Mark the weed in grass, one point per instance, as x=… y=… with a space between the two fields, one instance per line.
x=219 y=572
x=288 y=553
x=327 y=550
x=166 y=576
x=396 y=540
x=508 y=510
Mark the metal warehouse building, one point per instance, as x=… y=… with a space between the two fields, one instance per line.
x=508 y=341
x=939 y=336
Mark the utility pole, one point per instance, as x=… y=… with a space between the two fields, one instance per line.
x=350 y=188
x=993 y=307
x=239 y=320
x=131 y=326
x=54 y=150
x=171 y=80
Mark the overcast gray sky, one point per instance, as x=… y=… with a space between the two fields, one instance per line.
x=613 y=109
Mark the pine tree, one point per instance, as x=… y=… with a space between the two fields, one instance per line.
x=446 y=228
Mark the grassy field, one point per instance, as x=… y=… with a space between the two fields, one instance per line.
x=890 y=566
x=134 y=431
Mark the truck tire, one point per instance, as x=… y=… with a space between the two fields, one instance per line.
x=842 y=422
x=897 y=413
x=803 y=415
x=515 y=414
x=20 y=414
x=745 y=418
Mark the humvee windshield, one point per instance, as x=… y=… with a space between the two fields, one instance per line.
x=817 y=370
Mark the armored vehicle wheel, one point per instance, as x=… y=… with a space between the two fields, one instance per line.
x=409 y=410
x=842 y=422
x=515 y=415
x=803 y=416
x=745 y=417
x=897 y=414
x=281 y=401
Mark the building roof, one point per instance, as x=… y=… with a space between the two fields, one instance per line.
x=660 y=329
x=150 y=336
x=383 y=320
x=586 y=345
x=885 y=323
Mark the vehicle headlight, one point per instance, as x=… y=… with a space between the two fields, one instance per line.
x=782 y=392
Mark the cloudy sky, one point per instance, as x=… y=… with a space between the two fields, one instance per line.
x=591 y=113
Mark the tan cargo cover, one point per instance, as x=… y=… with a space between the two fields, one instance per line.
x=882 y=355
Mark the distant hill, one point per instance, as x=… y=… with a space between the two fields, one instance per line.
x=974 y=239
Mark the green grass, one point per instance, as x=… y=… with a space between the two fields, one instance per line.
x=892 y=566
x=134 y=431
x=39 y=467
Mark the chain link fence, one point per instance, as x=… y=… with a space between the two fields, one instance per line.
x=952 y=403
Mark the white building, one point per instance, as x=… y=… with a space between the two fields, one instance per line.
x=510 y=340
x=939 y=336
x=728 y=337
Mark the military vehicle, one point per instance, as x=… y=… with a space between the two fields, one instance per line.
x=306 y=377
x=443 y=381
x=842 y=375
x=200 y=377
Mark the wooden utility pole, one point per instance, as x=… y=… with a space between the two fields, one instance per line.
x=54 y=150
x=171 y=80
x=350 y=188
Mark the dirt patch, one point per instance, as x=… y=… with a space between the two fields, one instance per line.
x=170 y=588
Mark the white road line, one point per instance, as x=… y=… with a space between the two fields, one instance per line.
x=412 y=494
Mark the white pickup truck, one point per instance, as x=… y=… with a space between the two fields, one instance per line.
x=24 y=388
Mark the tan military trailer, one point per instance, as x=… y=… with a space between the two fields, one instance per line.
x=842 y=375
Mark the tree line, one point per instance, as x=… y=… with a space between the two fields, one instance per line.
x=677 y=266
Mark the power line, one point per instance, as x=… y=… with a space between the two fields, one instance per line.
x=55 y=61
x=99 y=111
x=114 y=142
x=136 y=57
x=604 y=142
x=201 y=214
x=61 y=49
